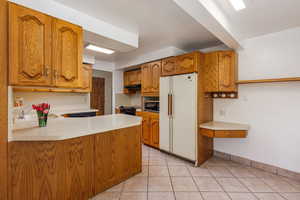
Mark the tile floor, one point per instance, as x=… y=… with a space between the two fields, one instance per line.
x=165 y=177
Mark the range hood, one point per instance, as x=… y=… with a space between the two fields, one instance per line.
x=133 y=87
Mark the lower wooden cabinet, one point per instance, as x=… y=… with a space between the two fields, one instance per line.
x=74 y=169
x=150 y=129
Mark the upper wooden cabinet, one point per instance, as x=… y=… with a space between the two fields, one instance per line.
x=67 y=54
x=132 y=77
x=168 y=66
x=43 y=50
x=183 y=64
x=87 y=75
x=220 y=71
x=150 y=78
x=30 y=47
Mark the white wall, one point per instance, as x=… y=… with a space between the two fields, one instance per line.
x=272 y=110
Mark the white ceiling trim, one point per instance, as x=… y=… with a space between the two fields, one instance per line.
x=88 y=23
x=212 y=18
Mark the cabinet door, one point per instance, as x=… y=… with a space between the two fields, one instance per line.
x=187 y=63
x=139 y=77
x=126 y=78
x=67 y=54
x=155 y=132
x=146 y=130
x=78 y=173
x=211 y=72
x=227 y=71
x=105 y=161
x=87 y=77
x=146 y=78
x=132 y=77
x=168 y=67
x=155 y=71
x=30 y=47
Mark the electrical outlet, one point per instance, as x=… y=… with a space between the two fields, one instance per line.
x=222 y=112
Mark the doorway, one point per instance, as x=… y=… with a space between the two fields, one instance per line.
x=98 y=95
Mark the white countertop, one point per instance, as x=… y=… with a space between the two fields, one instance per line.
x=72 y=111
x=215 y=125
x=67 y=128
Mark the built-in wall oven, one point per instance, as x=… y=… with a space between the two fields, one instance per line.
x=151 y=104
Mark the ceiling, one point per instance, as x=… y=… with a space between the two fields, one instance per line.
x=160 y=23
x=262 y=16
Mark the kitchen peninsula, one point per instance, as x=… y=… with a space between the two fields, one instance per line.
x=74 y=158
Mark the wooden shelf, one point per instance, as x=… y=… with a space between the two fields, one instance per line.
x=21 y=89
x=269 y=80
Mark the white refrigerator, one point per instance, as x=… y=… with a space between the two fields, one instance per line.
x=178 y=115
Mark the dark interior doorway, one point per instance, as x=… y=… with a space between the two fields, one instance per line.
x=98 y=95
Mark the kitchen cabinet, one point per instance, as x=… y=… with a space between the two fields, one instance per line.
x=30 y=47
x=182 y=64
x=150 y=129
x=77 y=168
x=67 y=54
x=132 y=77
x=44 y=51
x=87 y=75
x=150 y=78
x=220 y=71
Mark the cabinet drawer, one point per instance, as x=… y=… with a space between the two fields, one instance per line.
x=230 y=134
x=207 y=132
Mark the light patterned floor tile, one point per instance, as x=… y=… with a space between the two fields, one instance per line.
x=242 y=196
x=268 y=196
x=199 y=171
x=145 y=171
x=218 y=171
x=134 y=196
x=179 y=171
x=116 y=188
x=183 y=184
x=136 y=184
x=207 y=184
x=279 y=185
x=232 y=185
x=188 y=196
x=160 y=184
x=256 y=185
x=215 y=196
x=161 y=196
x=291 y=196
x=107 y=196
x=242 y=172
x=158 y=171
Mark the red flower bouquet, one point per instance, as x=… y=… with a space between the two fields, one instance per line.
x=42 y=112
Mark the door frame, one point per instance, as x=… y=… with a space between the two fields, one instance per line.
x=3 y=100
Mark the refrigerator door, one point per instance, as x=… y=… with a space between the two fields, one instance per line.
x=164 y=114
x=185 y=115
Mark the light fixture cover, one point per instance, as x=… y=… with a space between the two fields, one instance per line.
x=99 y=49
x=238 y=4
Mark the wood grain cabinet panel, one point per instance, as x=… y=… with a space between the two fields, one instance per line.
x=87 y=75
x=30 y=40
x=155 y=132
x=146 y=79
x=150 y=129
x=227 y=71
x=155 y=70
x=78 y=174
x=187 y=63
x=168 y=66
x=67 y=54
x=34 y=171
x=220 y=71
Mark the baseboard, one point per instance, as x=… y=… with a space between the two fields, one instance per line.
x=259 y=165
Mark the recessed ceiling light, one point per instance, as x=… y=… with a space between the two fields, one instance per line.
x=99 y=49
x=238 y=4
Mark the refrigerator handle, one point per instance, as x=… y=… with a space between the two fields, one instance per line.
x=170 y=104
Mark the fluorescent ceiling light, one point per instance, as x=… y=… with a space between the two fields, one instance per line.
x=99 y=49
x=238 y=4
